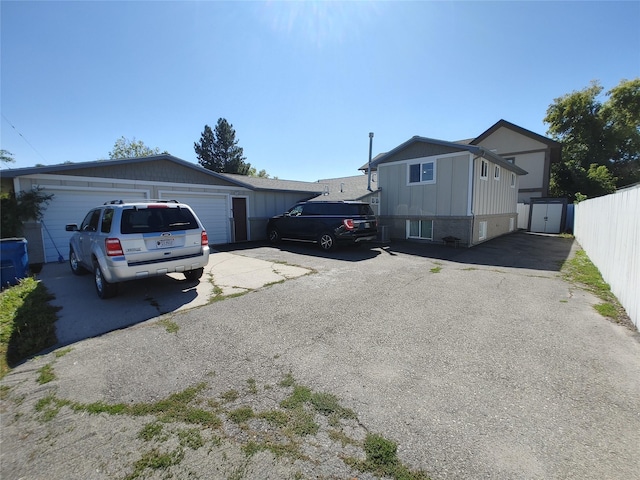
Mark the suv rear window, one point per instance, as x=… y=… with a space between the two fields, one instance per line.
x=148 y=220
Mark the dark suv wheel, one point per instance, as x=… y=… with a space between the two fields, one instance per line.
x=193 y=275
x=76 y=268
x=274 y=235
x=326 y=241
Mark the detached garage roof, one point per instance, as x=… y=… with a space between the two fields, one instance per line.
x=158 y=168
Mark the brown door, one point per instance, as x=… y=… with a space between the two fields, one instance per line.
x=239 y=219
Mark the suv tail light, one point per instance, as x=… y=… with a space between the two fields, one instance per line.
x=113 y=247
x=204 y=239
x=348 y=222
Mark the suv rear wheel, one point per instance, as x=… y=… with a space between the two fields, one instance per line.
x=103 y=288
x=326 y=241
x=193 y=275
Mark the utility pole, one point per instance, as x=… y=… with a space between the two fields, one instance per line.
x=369 y=168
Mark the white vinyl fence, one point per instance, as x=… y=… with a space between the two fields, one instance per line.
x=523 y=215
x=608 y=229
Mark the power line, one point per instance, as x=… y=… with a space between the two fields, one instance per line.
x=24 y=138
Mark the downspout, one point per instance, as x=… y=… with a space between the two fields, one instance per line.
x=369 y=165
x=472 y=173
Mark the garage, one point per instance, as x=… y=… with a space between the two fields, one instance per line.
x=211 y=209
x=71 y=206
x=78 y=187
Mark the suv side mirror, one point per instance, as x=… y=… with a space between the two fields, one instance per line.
x=72 y=227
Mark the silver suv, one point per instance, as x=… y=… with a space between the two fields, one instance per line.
x=121 y=241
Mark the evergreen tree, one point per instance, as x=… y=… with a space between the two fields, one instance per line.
x=219 y=151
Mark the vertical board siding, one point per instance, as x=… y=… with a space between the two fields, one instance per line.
x=608 y=229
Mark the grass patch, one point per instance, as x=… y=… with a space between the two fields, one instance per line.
x=230 y=396
x=62 y=352
x=169 y=325
x=382 y=460
x=155 y=460
x=46 y=374
x=580 y=270
x=241 y=415
x=26 y=322
x=298 y=397
x=437 y=269
x=253 y=387
x=151 y=431
x=277 y=418
x=191 y=438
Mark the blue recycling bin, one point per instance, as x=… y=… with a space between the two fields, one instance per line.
x=14 y=260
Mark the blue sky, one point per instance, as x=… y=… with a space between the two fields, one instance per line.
x=303 y=83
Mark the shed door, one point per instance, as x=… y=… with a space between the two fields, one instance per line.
x=546 y=217
x=239 y=219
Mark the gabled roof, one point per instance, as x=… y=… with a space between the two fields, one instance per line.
x=274 y=184
x=252 y=183
x=346 y=188
x=522 y=131
x=474 y=149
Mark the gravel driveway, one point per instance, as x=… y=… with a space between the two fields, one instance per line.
x=478 y=363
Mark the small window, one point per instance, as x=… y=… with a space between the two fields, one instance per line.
x=512 y=223
x=511 y=160
x=513 y=180
x=422 y=172
x=90 y=222
x=496 y=173
x=484 y=169
x=482 y=230
x=420 y=229
x=107 y=219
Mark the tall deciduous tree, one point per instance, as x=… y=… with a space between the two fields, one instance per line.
x=125 y=148
x=219 y=151
x=595 y=134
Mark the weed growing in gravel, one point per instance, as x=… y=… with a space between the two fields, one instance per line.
x=151 y=431
x=46 y=374
x=382 y=460
x=241 y=415
x=169 y=325
x=62 y=352
x=436 y=269
x=230 y=396
x=155 y=460
x=253 y=388
x=191 y=438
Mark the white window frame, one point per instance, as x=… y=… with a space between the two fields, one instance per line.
x=482 y=230
x=420 y=237
x=513 y=180
x=421 y=162
x=512 y=224
x=496 y=172
x=484 y=169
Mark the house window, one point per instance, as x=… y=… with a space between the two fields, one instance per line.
x=420 y=229
x=512 y=224
x=422 y=172
x=496 y=173
x=484 y=169
x=511 y=160
x=513 y=180
x=482 y=230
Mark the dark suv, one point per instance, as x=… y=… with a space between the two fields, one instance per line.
x=325 y=223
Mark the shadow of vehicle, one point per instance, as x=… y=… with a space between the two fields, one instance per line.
x=347 y=253
x=84 y=315
x=517 y=250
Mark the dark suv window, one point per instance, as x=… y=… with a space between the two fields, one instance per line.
x=107 y=220
x=147 y=220
x=90 y=222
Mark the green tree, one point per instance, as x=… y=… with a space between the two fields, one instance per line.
x=605 y=133
x=17 y=209
x=218 y=150
x=6 y=157
x=125 y=148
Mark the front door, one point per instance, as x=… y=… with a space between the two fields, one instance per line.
x=239 y=219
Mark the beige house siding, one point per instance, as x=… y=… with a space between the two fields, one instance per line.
x=530 y=154
x=491 y=196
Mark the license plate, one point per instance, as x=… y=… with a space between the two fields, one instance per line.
x=165 y=242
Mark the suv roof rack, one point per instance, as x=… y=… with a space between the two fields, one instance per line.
x=147 y=200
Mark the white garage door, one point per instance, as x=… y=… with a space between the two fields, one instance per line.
x=212 y=210
x=71 y=206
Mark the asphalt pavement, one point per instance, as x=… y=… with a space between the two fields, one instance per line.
x=478 y=363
